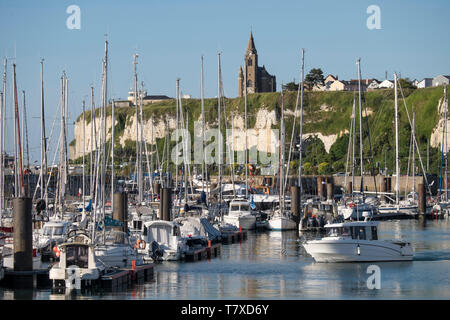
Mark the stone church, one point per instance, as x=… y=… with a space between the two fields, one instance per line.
x=258 y=79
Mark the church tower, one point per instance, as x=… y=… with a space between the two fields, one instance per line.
x=256 y=76
x=251 y=59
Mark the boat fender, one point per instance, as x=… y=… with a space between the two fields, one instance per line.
x=56 y=251
x=142 y=245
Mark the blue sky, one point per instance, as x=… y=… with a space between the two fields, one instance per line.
x=171 y=35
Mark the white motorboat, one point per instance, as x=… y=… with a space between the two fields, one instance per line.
x=115 y=250
x=164 y=241
x=239 y=215
x=357 y=242
x=52 y=233
x=77 y=266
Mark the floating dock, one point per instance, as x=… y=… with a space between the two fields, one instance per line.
x=212 y=251
x=235 y=236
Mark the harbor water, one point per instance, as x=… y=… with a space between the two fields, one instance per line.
x=274 y=265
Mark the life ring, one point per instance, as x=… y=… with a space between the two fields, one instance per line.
x=140 y=244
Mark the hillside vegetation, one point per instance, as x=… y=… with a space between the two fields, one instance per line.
x=327 y=113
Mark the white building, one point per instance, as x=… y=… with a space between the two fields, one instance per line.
x=425 y=83
x=386 y=84
x=441 y=80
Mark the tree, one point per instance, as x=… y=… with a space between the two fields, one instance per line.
x=290 y=86
x=314 y=77
x=405 y=83
x=324 y=168
x=307 y=168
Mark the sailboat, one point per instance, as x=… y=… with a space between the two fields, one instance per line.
x=281 y=218
x=399 y=206
x=359 y=207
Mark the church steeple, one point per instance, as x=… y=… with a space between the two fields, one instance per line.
x=251 y=44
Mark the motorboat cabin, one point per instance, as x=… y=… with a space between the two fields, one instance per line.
x=77 y=267
x=239 y=215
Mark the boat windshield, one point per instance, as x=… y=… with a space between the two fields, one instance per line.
x=53 y=231
x=57 y=231
x=339 y=232
x=77 y=255
x=244 y=207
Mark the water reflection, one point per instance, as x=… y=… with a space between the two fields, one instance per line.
x=274 y=265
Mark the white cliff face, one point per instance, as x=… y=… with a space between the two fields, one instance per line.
x=327 y=140
x=261 y=137
x=437 y=134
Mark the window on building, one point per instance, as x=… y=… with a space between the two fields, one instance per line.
x=249 y=62
x=249 y=83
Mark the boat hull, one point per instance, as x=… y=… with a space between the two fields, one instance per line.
x=358 y=251
x=247 y=222
x=281 y=223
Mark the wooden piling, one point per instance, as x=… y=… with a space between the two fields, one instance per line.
x=382 y=183
x=295 y=203
x=120 y=210
x=422 y=199
x=165 y=205
x=330 y=191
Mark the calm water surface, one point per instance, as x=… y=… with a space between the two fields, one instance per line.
x=274 y=265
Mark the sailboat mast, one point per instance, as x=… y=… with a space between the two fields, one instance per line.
x=445 y=143
x=220 y=134
x=25 y=137
x=1 y=158
x=84 y=151
x=91 y=154
x=176 y=129
x=18 y=168
x=360 y=129
x=104 y=105
x=141 y=137
x=137 y=123
x=281 y=192
x=43 y=139
x=246 y=129
x=353 y=144
x=300 y=165
x=2 y=140
x=413 y=156
x=113 y=121
x=397 y=162
x=202 y=97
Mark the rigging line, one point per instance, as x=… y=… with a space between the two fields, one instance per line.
x=415 y=140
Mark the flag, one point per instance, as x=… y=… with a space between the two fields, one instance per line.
x=252 y=203
x=79 y=193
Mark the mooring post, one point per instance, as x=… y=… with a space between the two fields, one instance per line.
x=157 y=188
x=165 y=205
x=295 y=203
x=120 y=210
x=330 y=194
x=422 y=199
x=23 y=234
x=382 y=184
x=23 y=243
x=319 y=187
